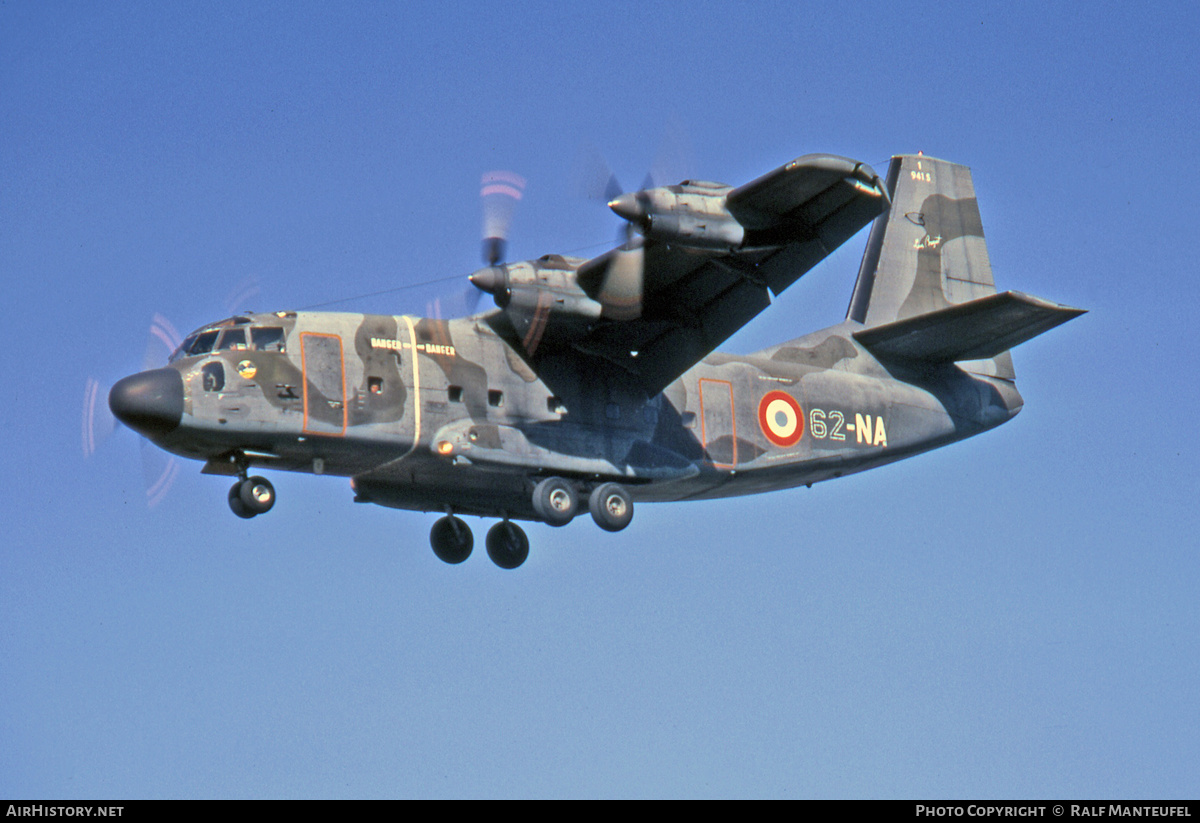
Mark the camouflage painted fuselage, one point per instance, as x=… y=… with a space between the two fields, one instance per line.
x=433 y=414
x=597 y=375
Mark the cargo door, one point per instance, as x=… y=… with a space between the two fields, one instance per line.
x=718 y=429
x=324 y=383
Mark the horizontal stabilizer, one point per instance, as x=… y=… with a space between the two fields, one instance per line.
x=975 y=330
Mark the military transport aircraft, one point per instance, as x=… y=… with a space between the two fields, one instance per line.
x=594 y=383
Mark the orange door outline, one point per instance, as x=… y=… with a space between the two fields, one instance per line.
x=718 y=391
x=304 y=374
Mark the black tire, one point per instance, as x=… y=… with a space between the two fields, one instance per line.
x=507 y=544
x=235 y=502
x=257 y=494
x=611 y=506
x=451 y=540
x=555 y=501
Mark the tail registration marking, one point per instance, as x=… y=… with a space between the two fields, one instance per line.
x=869 y=430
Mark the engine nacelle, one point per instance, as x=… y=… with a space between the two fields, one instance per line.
x=692 y=213
x=705 y=230
x=540 y=295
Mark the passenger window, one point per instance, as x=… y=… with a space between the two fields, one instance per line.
x=495 y=397
x=375 y=385
x=454 y=394
x=269 y=338
x=233 y=339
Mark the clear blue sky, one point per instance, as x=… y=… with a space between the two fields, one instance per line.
x=1014 y=616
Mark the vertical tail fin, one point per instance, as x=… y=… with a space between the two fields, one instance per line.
x=927 y=252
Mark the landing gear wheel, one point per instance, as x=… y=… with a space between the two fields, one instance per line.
x=555 y=501
x=451 y=539
x=236 y=504
x=611 y=506
x=257 y=495
x=507 y=544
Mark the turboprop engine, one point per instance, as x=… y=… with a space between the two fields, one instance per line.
x=540 y=295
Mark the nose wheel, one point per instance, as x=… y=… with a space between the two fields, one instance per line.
x=251 y=496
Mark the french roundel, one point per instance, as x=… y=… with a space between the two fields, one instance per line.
x=780 y=418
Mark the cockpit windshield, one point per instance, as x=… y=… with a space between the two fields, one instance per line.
x=267 y=338
x=201 y=343
x=232 y=339
x=231 y=335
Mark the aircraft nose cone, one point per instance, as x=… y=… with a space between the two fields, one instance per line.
x=150 y=402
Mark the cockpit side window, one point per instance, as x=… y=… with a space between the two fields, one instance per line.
x=267 y=338
x=203 y=344
x=213 y=376
x=183 y=348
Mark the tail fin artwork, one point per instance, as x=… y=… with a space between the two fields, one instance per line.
x=925 y=291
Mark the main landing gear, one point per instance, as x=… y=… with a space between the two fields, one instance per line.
x=611 y=507
x=507 y=544
x=555 y=501
x=452 y=542
x=451 y=539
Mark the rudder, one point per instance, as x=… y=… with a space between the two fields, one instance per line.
x=927 y=252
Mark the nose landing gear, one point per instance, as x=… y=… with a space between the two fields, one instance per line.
x=251 y=496
x=235 y=501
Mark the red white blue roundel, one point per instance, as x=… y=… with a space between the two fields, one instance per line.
x=780 y=418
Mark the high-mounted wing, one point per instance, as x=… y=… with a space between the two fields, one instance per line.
x=710 y=257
